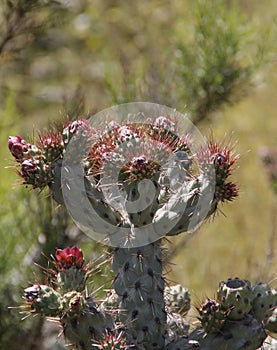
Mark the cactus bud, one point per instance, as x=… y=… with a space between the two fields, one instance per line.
x=17 y=147
x=212 y=316
x=72 y=273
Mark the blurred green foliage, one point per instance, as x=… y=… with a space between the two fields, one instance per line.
x=76 y=57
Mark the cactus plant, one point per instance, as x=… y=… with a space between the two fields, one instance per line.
x=141 y=183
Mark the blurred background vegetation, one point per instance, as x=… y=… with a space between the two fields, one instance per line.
x=214 y=60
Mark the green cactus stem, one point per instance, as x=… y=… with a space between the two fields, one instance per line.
x=140 y=285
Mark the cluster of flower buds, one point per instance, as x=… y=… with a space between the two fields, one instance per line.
x=129 y=152
x=37 y=161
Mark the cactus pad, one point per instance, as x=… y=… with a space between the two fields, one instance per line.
x=235 y=297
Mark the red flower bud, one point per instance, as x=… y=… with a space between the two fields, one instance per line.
x=69 y=257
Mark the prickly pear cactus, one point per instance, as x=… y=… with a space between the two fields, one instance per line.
x=235 y=297
x=142 y=181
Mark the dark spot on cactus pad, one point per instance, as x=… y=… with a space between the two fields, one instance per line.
x=150 y=272
x=154 y=344
x=262 y=305
x=135 y=314
x=137 y=285
x=106 y=216
x=247 y=344
x=246 y=300
x=145 y=329
x=126 y=266
x=125 y=295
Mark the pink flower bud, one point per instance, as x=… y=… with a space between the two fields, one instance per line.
x=17 y=147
